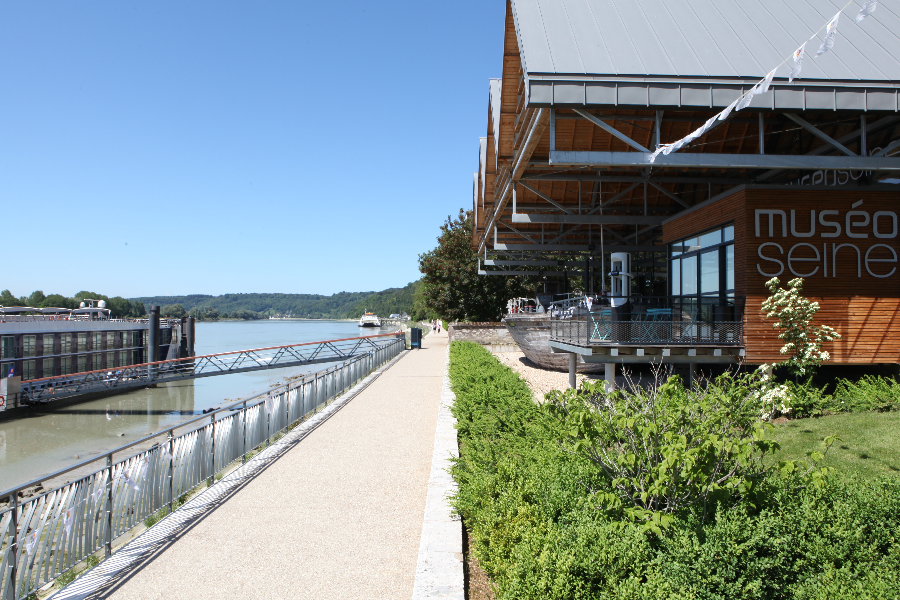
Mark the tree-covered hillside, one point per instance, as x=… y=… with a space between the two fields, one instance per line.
x=343 y=305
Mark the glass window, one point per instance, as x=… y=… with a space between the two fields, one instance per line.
x=65 y=365
x=110 y=340
x=48 y=368
x=123 y=358
x=728 y=234
x=110 y=360
x=711 y=238
x=48 y=344
x=5 y=368
x=135 y=357
x=709 y=272
x=689 y=275
x=29 y=346
x=65 y=343
x=98 y=341
x=9 y=346
x=28 y=368
x=691 y=244
x=729 y=267
x=676 y=277
x=82 y=343
x=82 y=362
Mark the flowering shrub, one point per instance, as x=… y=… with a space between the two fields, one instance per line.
x=794 y=314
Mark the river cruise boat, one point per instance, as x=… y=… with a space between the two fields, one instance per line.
x=369 y=320
x=36 y=343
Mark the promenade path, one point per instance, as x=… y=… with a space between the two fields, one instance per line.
x=338 y=515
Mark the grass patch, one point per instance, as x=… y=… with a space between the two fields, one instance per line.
x=870 y=445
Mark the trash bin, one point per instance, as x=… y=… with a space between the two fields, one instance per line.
x=415 y=338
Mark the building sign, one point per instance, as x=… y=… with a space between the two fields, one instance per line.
x=853 y=241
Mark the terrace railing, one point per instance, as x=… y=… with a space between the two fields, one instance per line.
x=655 y=329
x=47 y=535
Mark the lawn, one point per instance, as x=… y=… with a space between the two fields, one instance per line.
x=869 y=445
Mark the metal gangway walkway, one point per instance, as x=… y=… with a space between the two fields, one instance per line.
x=52 y=389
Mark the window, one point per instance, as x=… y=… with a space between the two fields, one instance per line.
x=28 y=369
x=48 y=344
x=65 y=343
x=47 y=367
x=701 y=273
x=65 y=365
x=111 y=340
x=29 y=346
x=82 y=362
x=9 y=346
x=123 y=358
x=5 y=368
x=82 y=343
x=98 y=342
x=110 y=360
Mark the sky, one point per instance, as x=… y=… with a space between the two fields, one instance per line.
x=209 y=147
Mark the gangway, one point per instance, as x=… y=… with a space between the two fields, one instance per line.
x=52 y=389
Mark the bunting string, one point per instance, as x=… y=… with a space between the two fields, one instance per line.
x=763 y=85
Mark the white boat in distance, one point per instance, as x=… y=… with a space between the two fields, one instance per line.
x=369 y=320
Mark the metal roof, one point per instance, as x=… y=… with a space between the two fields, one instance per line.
x=704 y=38
x=495 y=87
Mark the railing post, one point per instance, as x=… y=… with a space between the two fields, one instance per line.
x=109 y=505
x=212 y=476
x=244 y=441
x=171 y=445
x=14 y=560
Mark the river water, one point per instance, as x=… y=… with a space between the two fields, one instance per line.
x=43 y=442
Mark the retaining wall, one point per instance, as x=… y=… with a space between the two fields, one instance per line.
x=493 y=336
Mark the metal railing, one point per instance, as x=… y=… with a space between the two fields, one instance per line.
x=597 y=328
x=45 y=536
x=191 y=367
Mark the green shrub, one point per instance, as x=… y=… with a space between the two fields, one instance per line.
x=869 y=393
x=532 y=510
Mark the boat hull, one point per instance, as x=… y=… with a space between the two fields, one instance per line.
x=532 y=334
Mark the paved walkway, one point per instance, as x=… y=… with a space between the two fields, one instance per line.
x=338 y=515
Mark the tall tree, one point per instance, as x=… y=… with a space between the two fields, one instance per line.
x=452 y=286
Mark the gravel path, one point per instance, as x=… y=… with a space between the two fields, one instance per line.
x=540 y=380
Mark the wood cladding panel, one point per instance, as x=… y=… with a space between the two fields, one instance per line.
x=862 y=302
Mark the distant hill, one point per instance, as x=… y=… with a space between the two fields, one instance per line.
x=343 y=305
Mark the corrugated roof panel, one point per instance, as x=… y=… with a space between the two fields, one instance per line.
x=532 y=37
x=716 y=38
x=625 y=57
x=496 y=85
x=699 y=42
x=650 y=49
x=591 y=47
x=560 y=37
x=677 y=47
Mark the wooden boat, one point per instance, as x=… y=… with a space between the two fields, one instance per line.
x=531 y=331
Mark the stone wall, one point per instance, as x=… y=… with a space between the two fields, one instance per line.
x=493 y=336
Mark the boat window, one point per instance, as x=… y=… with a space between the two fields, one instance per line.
x=82 y=362
x=65 y=343
x=110 y=360
x=28 y=370
x=48 y=344
x=9 y=347
x=82 y=343
x=5 y=369
x=47 y=368
x=123 y=358
x=65 y=365
x=29 y=346
x=98 y=341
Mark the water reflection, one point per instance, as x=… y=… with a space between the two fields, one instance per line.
x=42 y=442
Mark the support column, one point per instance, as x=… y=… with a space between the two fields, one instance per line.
x=190 y=335
x=153 y=339
x=609 y=371
x=573 y=362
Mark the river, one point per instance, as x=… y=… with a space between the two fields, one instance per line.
x=36 y=445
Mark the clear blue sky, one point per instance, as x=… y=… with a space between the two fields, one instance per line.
x=151 y=148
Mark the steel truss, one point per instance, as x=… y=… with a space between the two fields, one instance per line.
x=51 y=389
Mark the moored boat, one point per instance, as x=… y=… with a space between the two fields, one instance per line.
x=369 y=320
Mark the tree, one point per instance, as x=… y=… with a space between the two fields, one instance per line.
x=794 y=314
x=35 y=299
x=172 y=311
x=58 y=301
x=452 y=286
x=7 y=299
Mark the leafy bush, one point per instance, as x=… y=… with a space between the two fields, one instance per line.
x=532 y=510
x=869 y=393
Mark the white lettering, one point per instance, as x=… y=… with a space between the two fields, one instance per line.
x=893 y=217
x=834 y=252
x=837 y=176
x=850 y=223
x=887 y=260
x=818 y=177
x=775 y=260
x=812 y=225
x=791 y=259
x=772 y=214
x=836 y=225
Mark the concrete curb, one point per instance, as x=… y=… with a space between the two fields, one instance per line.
x=145 y=546
x=439 y=572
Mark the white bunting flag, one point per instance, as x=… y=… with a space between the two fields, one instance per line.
x=867 y=9
x=799 y=53
x=129 y=481
x=31 y=542
x=745 y=101
x=97 y=493
x=68 y=519
x=830 y=33
x=165 y=453
x=724 y=114
x=763 y=86
x=270 y=405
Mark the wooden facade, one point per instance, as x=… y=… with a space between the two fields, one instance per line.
x=848 y=255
